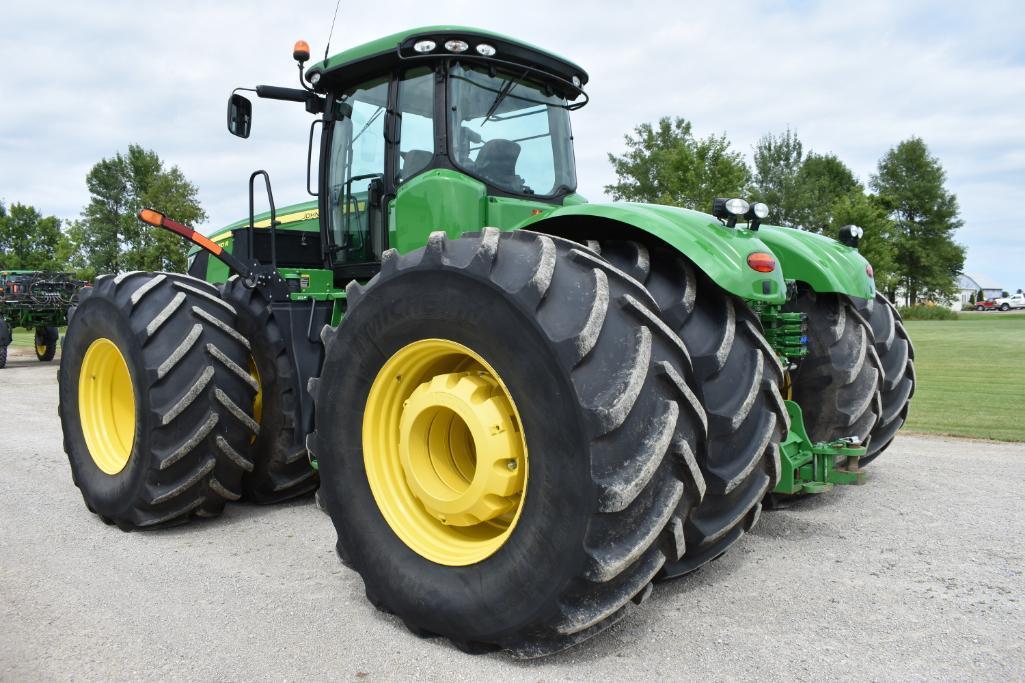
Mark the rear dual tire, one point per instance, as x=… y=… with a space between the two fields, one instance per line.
x=737 y=377
x=837 y=382
x=281 y=465
x=155 y=403
x=897 y=360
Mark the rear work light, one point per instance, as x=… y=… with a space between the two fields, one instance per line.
x=762 y=262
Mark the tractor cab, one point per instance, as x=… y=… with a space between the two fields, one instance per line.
x=431 y=113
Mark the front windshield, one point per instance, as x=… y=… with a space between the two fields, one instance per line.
x=510 y=133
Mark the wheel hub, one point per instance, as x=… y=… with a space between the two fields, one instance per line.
x=445 y=456
x=460 y=449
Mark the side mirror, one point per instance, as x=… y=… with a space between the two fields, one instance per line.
x=240 y=116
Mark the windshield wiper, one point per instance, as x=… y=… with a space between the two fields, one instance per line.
x=369 y=123
x=503 y=92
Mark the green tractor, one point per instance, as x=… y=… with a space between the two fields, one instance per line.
x=521 y=408
x=38 y=301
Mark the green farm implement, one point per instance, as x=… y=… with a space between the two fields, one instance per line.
x=37 y=301
x=520 y=408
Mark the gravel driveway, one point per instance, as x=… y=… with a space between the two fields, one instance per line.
x=918 y=574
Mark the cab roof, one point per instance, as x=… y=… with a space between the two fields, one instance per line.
x=364 y=60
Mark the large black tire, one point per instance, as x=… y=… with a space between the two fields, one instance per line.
x=897 y=356
x=193 y=399
x=281 y=465
x=609 y=421
x=3 y=357
x=837 y=383
x=46 y=343
x=737 y=377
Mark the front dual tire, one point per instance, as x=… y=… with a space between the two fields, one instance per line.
x=505 y=440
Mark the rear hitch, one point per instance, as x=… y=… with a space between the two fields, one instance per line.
x=808 y=467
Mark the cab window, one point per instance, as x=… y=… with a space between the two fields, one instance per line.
x=416 y=123
x=356 y=168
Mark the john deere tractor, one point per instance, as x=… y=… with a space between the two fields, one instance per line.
x=522 y=408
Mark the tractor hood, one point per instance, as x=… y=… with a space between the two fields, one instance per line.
x=820 y=261
x=719 y=251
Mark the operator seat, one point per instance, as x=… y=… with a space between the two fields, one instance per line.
x=496 y=162
x=414 y=161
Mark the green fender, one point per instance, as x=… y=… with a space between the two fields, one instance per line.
x=719 y=251
x=822 y=262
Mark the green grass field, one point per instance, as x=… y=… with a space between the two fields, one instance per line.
x=971 y=376
x=26 y=339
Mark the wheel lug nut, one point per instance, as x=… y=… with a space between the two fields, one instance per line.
x=511 y=465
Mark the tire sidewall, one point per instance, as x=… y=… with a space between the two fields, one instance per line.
x=544 y=551
x=109 y=495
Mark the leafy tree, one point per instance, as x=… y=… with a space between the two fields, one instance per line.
x=800 y=189
x=876 y=245
x=910 y=184
x=28 y=240
x=821 y=182
x=109 y=238
x=777 y=163
x=666 y=164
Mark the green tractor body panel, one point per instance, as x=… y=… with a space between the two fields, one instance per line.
x=455 y=203
x=821 y=262
x=719 y=251
x=435 y=200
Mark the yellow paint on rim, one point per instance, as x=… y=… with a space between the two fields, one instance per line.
x=41 y=349
x=444 y=452
x=254 y=372
x=106 y=406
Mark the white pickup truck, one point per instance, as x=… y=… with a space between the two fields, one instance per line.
x=1006 y=303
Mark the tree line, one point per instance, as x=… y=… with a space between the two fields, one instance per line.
x=107 y=237
x=908 y=215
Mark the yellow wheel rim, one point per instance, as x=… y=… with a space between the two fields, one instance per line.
x=444 y=452
x=106 y=406
x=41 y=349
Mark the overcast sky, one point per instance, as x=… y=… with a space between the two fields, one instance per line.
x=80 y=81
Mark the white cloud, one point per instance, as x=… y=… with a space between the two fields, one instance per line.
x=81 y=81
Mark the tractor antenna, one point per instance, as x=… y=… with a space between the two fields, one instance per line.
x=332 y=31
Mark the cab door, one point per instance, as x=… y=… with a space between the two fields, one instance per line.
x=355 y=180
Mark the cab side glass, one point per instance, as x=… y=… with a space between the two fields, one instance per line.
x=416 y=131
x=240 y=116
